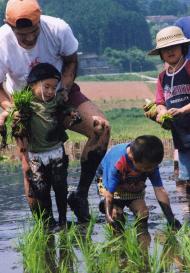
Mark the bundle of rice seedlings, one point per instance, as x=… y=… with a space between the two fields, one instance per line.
x=150 y=109
x=166 y=121
x=20 y=113
x=151 y=112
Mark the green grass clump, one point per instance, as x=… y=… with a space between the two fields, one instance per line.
x=22 y=100
x=20 y=113
x=112 y=77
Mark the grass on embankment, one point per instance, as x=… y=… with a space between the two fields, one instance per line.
x=128 y=124
x=134 y=76
x=111 y=77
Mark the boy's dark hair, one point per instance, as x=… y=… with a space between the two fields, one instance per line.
x=184 y=50
x=43 y=71
x=147 y=148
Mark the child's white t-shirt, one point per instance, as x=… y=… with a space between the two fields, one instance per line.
x=55 y=40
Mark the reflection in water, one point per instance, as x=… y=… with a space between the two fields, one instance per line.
x=14 y=211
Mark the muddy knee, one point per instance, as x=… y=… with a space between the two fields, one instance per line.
x=101 y=128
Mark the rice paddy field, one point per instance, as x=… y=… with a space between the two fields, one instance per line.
x=25 y=247
x=94 y=247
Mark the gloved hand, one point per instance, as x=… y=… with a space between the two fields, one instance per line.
x=175 y=224
x=117 y=224
x=108 y=209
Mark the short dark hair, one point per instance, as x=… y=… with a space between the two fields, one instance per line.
x=147 y=148
x=43 y=71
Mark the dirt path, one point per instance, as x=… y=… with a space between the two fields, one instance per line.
x=116 y=90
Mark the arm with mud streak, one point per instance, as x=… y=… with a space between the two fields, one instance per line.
x=22 y=145
x=164 y=203
x=5 y=103
x=109 y=206
x=69 y=73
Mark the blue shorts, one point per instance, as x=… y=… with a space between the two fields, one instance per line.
x=184 y=165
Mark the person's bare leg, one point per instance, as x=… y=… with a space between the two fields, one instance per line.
x=140 y=210
x=96 y=128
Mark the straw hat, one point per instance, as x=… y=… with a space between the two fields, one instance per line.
x=168 y=36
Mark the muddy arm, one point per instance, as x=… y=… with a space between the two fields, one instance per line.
x=22 y=145
x=69 y=70
x=109 y=206
x=5 y=98
x=164 y=203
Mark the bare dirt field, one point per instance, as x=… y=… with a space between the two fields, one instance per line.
x=116 y=90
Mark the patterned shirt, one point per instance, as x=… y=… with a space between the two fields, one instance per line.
x=173 y=91
x=116 y=168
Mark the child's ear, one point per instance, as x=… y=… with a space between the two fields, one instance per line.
x=129 y=153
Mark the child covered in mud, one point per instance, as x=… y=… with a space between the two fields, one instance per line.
x=44 y=160
x=121 y=179
x=173 y=92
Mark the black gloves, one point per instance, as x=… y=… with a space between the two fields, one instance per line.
x=175 y=224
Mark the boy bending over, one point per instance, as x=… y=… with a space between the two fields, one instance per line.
x=121 y=180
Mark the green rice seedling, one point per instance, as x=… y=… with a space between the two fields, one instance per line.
x=87 y=246
x=133 y=252
x=126 y=249
x=184 y=249
x=170 y=255
x=20 y=113
x=156 y=259
x=65 y=245
x=38 y=249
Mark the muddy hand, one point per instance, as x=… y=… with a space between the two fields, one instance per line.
x=64 y=94
x=175 y=224
x=108 y=209
x=75 y=118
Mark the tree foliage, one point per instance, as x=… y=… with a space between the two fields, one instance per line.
x=119 y=24
x=102 y=23
x=132 y=59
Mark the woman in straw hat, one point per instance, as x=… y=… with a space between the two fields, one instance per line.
x=173 y=91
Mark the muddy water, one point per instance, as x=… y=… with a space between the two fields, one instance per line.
x=14 y=211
